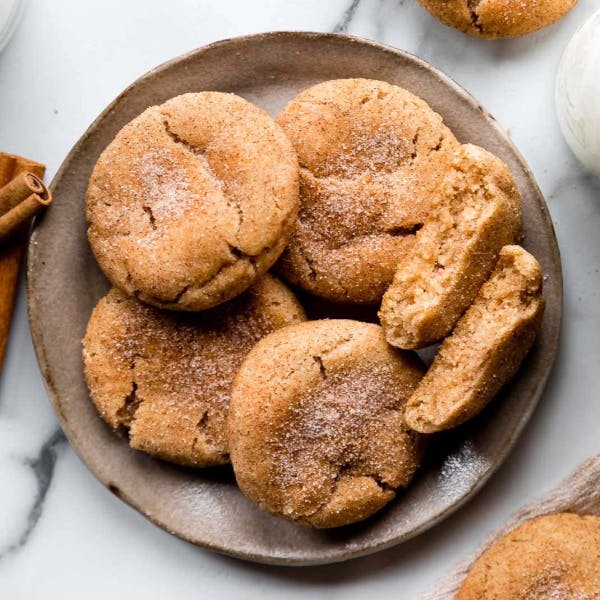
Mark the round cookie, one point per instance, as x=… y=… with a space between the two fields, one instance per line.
x=551 y=557
x=316 y=422
x=494 y=19
x=193 y=201
x=370 y=156
x=164 y=378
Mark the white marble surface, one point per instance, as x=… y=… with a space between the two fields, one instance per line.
x=62 y=535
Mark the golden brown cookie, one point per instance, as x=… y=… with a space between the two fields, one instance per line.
x=316 y=423
x=476 y=212
x=498 y=18
x=165 y=377
x=370 y=157
x=193 y=201
x=554 y=557
x=486 y=348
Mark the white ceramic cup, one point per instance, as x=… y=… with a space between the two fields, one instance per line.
x=578 y=93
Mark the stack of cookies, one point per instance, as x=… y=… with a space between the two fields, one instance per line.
x=358 y=195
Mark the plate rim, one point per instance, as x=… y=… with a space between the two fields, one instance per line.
x=520 y=424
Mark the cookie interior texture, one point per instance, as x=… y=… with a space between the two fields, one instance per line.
x=164 y=378
x=486 y=348
x=193 y=201
x=476 y=212
x=550 y=557
x=370 y=156
x=498 y=18
x=316 y=425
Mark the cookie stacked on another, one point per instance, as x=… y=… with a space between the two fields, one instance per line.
x=193 y=201
x=200 y=356
x=188 y=207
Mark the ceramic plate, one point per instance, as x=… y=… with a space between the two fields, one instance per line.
x=205 y=507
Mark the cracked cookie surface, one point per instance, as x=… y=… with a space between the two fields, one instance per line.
x=316 y=423
x=553 y=557
x=498 y=18
x=192 y=201
x=164 y=378
x=370 y=156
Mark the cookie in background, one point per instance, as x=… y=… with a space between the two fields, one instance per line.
x=497 y=19
x=549 y=557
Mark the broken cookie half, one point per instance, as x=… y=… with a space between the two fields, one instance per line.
x=485 y=349
x=477 y=211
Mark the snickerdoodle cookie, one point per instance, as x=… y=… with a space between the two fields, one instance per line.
x=370 y=156
x=477 y=211
x=165 y=377
x=554 y=557
x=485 y=349
x=498 y=18
x=316 y=423
x=193 y=201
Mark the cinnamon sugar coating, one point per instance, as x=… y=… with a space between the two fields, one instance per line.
x=485 y=349
x=554 y=557
x=316 y=423
x=370 y=157
x=193 y=201
x=477 y=211
x=164 y=378
x=498 y=18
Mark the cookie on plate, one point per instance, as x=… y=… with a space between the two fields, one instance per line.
x=164 y=378
x=316 y=423
x=550 y=557
x=193 y=201
x=498 y=18
x=477 y=211
x=485 y=349
x=371 y=155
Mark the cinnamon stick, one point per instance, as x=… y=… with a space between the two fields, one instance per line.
x=21 y=214
x=20 y=188
x=12 y=252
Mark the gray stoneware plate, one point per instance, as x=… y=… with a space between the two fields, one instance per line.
x=205 y=507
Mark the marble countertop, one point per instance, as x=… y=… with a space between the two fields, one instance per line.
x=62 y=534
